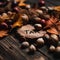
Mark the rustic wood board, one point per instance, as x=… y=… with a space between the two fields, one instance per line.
x=10 y=50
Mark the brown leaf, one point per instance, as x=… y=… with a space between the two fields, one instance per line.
x=50 y=22
x=3 y=33
x=52 y=30
x=57 y=8
x=22 y=3
x=18 y=23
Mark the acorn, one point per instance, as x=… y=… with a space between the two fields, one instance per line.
x=50 y=8
x=39 y=11
x=32 y=48
x=59 y=43
x=42 y=58
x=40 y=41
x=37 y=19
x=54 y=37
x=43 y=7
x=46 y=36
x=58 y=49
x=52 y=48
x=9 y=13
x=25 y=17
x=25 y=45
x=38 y=26
x=28 y=6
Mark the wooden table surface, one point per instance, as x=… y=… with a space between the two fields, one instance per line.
x=10 y=50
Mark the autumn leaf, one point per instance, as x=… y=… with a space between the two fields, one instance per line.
x=18 y=23
x=50 y=23
x=57 y=8
x=3 y=33
x=22 y=3
x=53 y=30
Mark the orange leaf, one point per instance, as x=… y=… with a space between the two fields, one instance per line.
x=3 y=33
x=53 y=31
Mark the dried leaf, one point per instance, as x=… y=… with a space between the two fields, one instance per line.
x=51 y=22
x=22 y=3
x=57 y=8
x=3 y=33
x=18 y=23
x=4 y=16
x=53 y=30
x=58 y=23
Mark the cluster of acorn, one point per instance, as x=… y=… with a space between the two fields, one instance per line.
x=54 y=42
x=31 y=46
x=50 y=40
